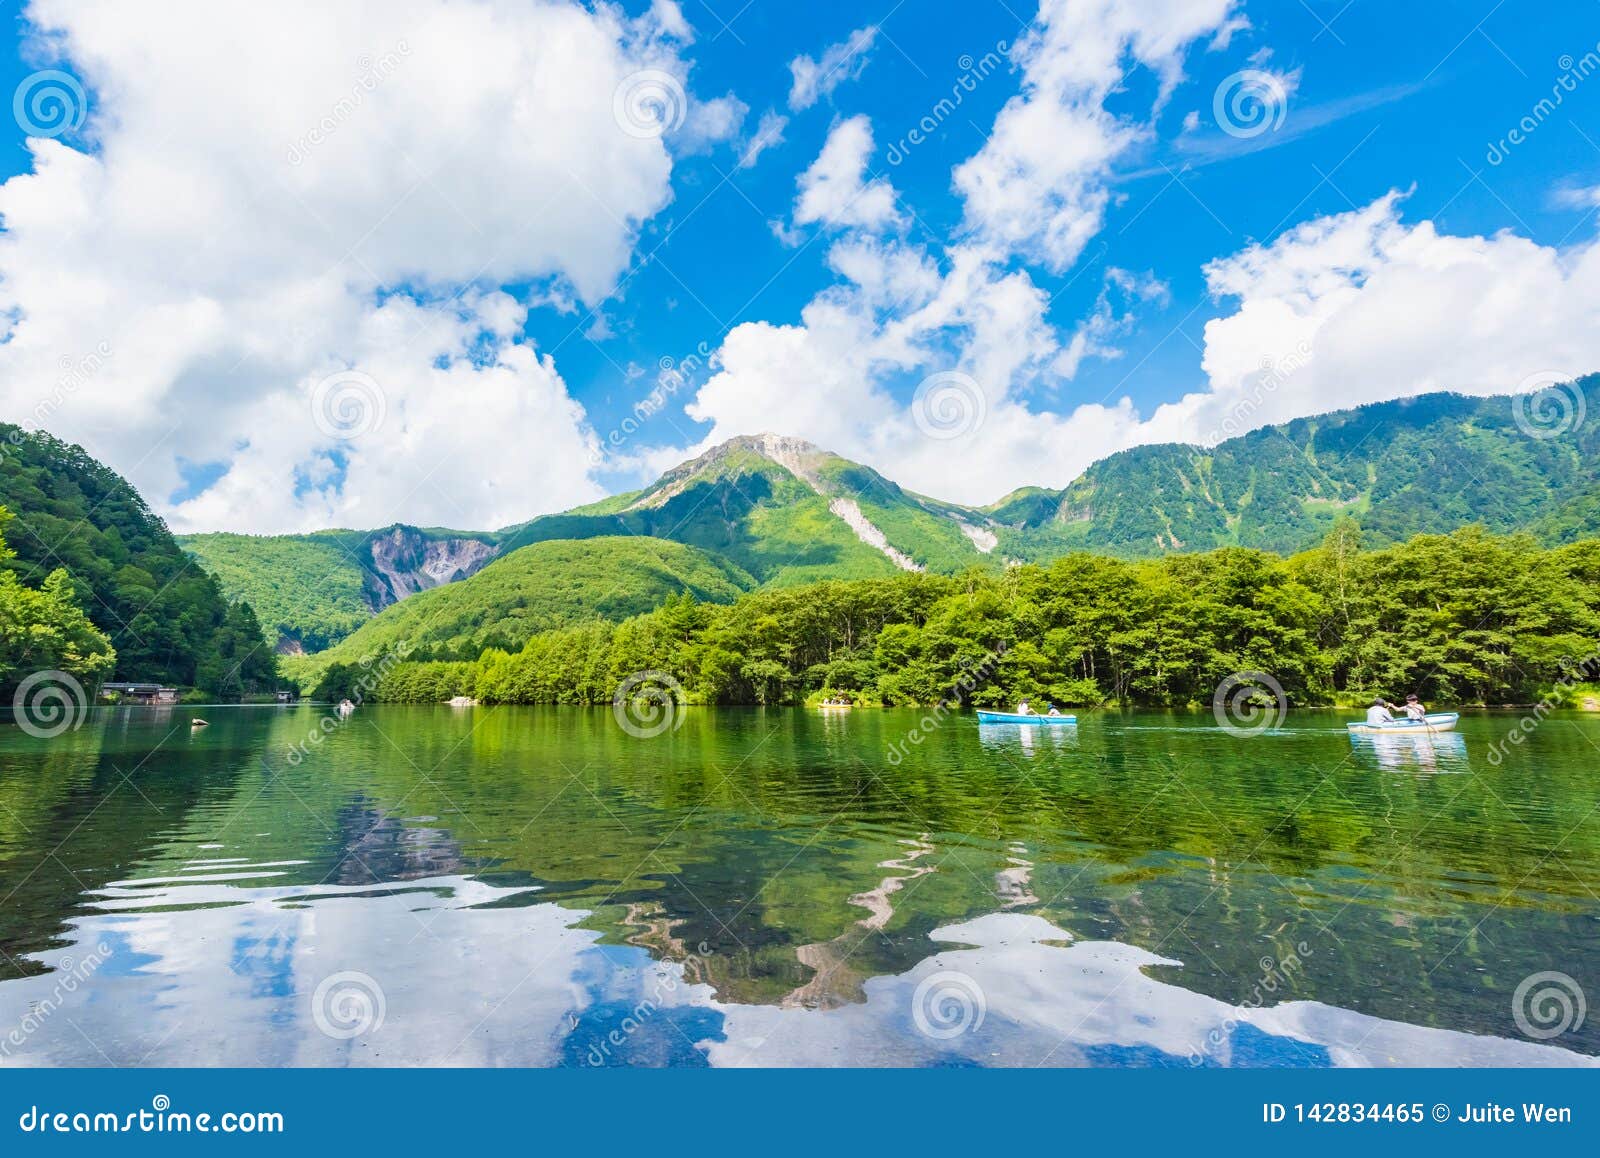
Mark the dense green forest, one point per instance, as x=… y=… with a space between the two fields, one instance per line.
x=1467 y=617
x=304 y=587
x=43 y=628
x=166 y=617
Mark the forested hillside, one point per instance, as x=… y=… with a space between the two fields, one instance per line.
x=1466 y=617
x=43 y=629
x=310 y=591
x=1418 y=465
x=531 y=590
x=165 y=616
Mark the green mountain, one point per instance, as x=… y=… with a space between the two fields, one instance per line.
x=533 y=589
x=784 y=511
x=310 y=591
x=166 y=617
x=1419 y=465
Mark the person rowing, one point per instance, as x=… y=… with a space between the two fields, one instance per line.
x=1023 y=709
x=1414 y=708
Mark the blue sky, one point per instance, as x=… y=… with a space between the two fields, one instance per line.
x=1412 y=98
x=1376 y=98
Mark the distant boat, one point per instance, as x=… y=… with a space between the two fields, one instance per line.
x=1431 y=723
x=346 y=707
x=1017 y=718
x=197 y=722
x=834 y=707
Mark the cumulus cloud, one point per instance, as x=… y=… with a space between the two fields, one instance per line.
x=815 y=79
x=1039 y=185
x=265 y=196
x=834 y=190
x=1360 y=306
x=1342 y=310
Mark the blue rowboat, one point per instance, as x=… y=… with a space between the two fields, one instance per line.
x=1014 y=718
x=1431 y=723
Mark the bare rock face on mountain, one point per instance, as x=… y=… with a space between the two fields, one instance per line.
x=405 y=561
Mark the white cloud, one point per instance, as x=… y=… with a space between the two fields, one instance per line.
x=815 y=79
x=1362 y=307
x=768 y=134
x=1343 y=310
x=834 y=191
x=1097 y=334
x=1038 y=186
x=1577 y=197
x=275 y=193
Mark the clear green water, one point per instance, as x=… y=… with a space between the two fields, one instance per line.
x=534 y=886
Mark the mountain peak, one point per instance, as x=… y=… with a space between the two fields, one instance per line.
x=795 y=455
x=774 y=446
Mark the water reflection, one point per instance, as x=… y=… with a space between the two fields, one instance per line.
x=1443 y=752
x=535 y=887
x=472 y=974
x=1027 y=739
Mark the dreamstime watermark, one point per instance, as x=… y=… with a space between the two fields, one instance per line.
x=70 y=975
x=370 y=74
x=949 y=404
x=1274 y=373
x=1548 y=1004
x=970 y=678
x=948 y=1004
x=694 y=972
x=1573 y=73
x=973 y=73
x=160 y=1118
x=347 y=404
x=49 y=703
x=649 y=103
x=672 y=375
x=49 y=103
x=349 y=1004
x=1248 y=703
x=1548 y=404
x=648 y=703
x=1572 y=672
x=1249 y=103
x=1275 y=974
x=364 y=686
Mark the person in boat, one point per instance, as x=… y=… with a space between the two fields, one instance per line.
x=1023 y=709
x=1379 y=714
x=1414 y=708
x=1053 y=710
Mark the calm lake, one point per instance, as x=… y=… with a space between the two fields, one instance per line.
x=537 y=887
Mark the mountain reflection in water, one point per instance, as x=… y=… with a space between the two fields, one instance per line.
x=533 y=887
x=477 y=975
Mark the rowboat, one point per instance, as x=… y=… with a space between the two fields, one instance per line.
x=1431 y=723
x=834 y=707
x=1016 y=718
